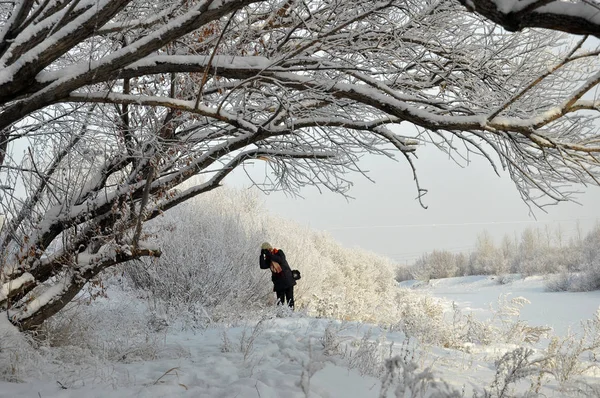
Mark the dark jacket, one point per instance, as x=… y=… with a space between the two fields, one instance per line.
x=283 y=279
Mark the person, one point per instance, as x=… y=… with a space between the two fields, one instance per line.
x=281 y=273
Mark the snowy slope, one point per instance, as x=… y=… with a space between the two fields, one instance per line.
x=266 y=361
x=289 y=356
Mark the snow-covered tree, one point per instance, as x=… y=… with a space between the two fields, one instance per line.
x=108 y=106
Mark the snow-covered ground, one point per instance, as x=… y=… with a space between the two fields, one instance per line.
x=294 y=355
x=559 y=310
x=272 y=359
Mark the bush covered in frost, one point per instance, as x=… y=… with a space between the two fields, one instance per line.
x=209 y=267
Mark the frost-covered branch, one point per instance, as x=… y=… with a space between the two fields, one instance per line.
x=104 y=92
x=215 y=181
x=54 y=298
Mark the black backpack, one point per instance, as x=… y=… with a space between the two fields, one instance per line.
x=296 y=274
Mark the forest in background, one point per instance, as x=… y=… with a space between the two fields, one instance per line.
x=572 y=264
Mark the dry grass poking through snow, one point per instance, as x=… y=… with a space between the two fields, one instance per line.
x=307 y=356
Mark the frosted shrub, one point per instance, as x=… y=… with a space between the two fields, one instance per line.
x=355 y=285
x=435 y=265
x=210 y=257
x=249 y=337
x=403 y=372
x=564 y=359
x=404 y=273
x=115 y=330
x=575 y=355
x=588 y=279
x=332 y=341
x=591 y=246
x=422 y=317
x=209 y=269
x=512 y=367
x=17 y=355
x=580 y=388
x=368 y=356
x=511 y=328
x=560 y=282
x=487 y=259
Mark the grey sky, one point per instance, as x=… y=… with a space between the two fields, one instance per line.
x=386 y=218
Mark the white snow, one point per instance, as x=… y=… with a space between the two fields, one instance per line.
x=559 y=310
x=559 y=7
x=47 y=296
x=286 y=356
x=507 y=6
x=6 y=328
x=272 y=367
x=15 y=284
x=581 y=9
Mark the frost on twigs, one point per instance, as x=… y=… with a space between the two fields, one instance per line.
x=425 y=319
x=124 y=103
x=18 y=357
x=409 y=381
x=513 y=367
x=332 y=342
x=575 y=355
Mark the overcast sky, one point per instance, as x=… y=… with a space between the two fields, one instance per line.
x=386 y=218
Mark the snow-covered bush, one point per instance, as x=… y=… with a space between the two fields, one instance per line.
x=109 y=329
x=435 y=265
x=591 y=246
x=425 y=319
x=210 y=257
x=564 y=359
x=567 y=355
x=514 y=366
x=438 y=264
x=17 y=355
x=209 y=267
x=403 y=372
x=583 y=281
x=356 y=285
x=560 y=282
x=585 y=275
x=422 y=318
x=589 y=279
x=369 y=355
x=487 y=259
x=404 y=273
x=332 y=341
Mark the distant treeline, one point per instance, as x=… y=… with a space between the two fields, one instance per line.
x=573 y=263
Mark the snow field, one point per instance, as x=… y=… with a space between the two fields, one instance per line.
x=121 y=351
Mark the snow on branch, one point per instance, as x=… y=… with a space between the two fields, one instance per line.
x=214 y=182
x=176 y=89
x=580 y=17
x=188 y=106
x=52 y=298
x=15 y=286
